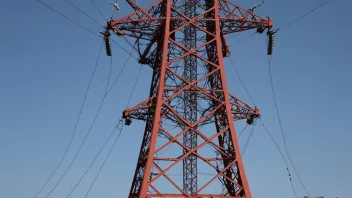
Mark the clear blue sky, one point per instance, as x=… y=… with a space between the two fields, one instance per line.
x=46 y=62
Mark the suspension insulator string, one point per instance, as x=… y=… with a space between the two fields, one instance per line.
x=270 y=34
x=107 y=46
x=107 y=42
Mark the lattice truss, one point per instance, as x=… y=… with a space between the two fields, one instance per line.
x=189 y=114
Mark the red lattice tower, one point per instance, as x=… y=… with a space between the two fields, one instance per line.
x=189 y=105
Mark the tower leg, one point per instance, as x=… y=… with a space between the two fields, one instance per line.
x=142 y=178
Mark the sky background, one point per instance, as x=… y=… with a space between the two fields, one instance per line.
x=46 y=62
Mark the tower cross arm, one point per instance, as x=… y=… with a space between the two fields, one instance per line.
x=234 y=18
x=241 y=110
x=140 y=111
x=143 y=23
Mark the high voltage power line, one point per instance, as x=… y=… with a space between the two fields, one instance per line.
x=97 y=114
x=96 y=7
x=282 y=155
x=104 y=162
x=274 y=97
x=76 y=124
x=293 y=21
x=282 y=129
x=306 y=14
x=77 y=8
x=105 y=94
x=86 y=136
x=247 y=142
x=68 y=18
x=83 y=27
x=85 y=97
x=287 y=165
x=119 y=127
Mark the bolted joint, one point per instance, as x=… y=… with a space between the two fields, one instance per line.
x=260 y=30
x=111 y=26
x=268 y=26
x=251 y=118
x=143 y=60
x=126 y=116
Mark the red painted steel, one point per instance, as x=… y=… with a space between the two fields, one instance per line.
x=158 y=31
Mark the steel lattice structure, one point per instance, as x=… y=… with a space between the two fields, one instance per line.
x=190 y=100
x=184 y=42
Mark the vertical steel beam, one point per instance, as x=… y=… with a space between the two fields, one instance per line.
x=157 y=114
x=239 y=165
x=190 y=100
